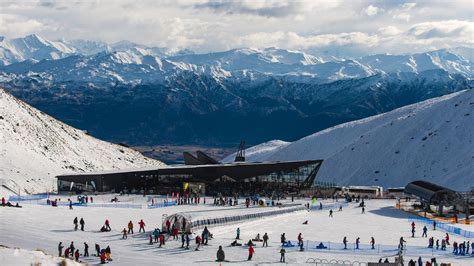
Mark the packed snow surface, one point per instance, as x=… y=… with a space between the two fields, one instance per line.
x=42 y=227
x=431 y=140
x=35 y=147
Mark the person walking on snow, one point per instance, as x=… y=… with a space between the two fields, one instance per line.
x=344 y=241
x=283 y=239
x=330 y=213
x=300 y=241
x=238 y=233
x=71 y=248
x=447 y=239
x=142 y=226
x=282 y=255
x=75 y=224
x=357 y=242
x=183 y=240
x=187 y=241
x=251 y=252
x=363 y=210
x=82 y=224
x=130 y=227
x=413 y=229
x=265 y=240
x=86 y=250
x=372 y=242
x=220 y=254
x=60 y=249
x=425 y=230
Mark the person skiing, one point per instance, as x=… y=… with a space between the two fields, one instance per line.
x=82 y=224
x=265 y=240
x=124 y=233
x=107 y=225
x=60 y=249
x=372 y=242
x=97 y=249
x=238 y=233
x=75 y=224
x=344 y=241
x=425 y=230
x=282 y=255
x=142 y=226
x=130 y=227
x=401 y=243
x=330 y=213
x=357 y=242
x=220 y=254
x=251 y=252
x=198 y=242
x=86 y=250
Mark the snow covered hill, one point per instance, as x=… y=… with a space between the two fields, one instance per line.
x=35 y=147
x=431 y=140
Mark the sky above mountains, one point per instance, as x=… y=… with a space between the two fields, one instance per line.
x=344 y=28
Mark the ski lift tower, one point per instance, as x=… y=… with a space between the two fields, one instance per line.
x=240 y=157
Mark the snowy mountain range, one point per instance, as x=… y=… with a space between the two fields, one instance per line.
x=35 y=147
x=431 y=140
x=132 y=93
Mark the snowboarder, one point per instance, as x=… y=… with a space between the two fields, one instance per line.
x=251 y=252
x=344 y=241
x=220 y=254
x=86 y=250
x=425 y=230
x=372 y=242
x=330 y=213
x=142 y=226
x=130 y=227
x=75 y=224
x=60 y=249
x=238 y=233
x=282 y=255
x=82 y=224
x=265 y=240
x=107 y=225
x=124 y=233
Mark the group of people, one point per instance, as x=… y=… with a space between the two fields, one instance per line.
x=9 y=204
x=72 y=252
x=357 y=242
x=76 y=224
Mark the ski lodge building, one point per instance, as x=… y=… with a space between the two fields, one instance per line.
x=200 y=174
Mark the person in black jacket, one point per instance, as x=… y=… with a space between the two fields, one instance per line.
x=97 y=249
x=60 y=249
x=86 y=250
x=75 y=224
x=220 y=254
x=71 y=248
x=82 y=224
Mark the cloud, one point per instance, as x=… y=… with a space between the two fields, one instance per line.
x=389 y=30
x=265 y=8
x=408 y=6
x=443 y=29
x=16 y=25
x=371 y=10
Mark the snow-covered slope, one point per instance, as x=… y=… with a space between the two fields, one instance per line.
x=35 y=147
x=260 y=152
x=431 y=140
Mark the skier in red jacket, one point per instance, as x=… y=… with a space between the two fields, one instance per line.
x=142 y=226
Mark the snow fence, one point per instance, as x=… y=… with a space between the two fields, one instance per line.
x=329 y=206
x=443 y=226
x=238 y=218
